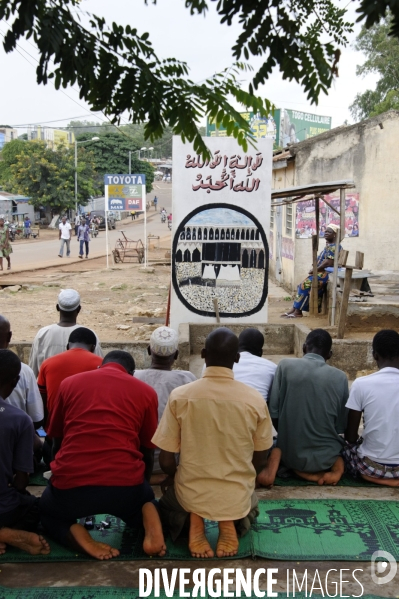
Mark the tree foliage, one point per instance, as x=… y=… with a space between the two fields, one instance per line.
x=48 y=176
x=162 y=148
x=117 y=70
x=382 y=57
x=8 y=156
x=111 y=155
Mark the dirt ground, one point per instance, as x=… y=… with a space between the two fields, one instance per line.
x=112 y=298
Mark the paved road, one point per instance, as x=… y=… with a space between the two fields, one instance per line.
x=39 y=254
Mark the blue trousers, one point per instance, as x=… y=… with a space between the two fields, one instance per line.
x=86 y=243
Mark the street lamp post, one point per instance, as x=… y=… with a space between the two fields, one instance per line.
x=76 y=166
x=130 y=158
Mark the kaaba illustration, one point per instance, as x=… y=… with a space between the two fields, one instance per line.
x=221 y=251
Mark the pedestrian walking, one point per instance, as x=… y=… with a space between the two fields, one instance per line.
x=77 y=223
x=65 y=233
x=5 y=245
x=133 y=214
x=27 y=227
x=83 y=238
x=155 y=203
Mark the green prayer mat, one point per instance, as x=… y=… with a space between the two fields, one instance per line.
x=320 y=530
x=37 y=478
x=105 y=593
x=292 y=480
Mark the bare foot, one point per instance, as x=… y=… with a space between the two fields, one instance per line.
x=85 y=541
x=197 y=541
x=227 y=542
x=27 y=541
x=154 y=542
x=335 y=474
x=313 y=477
x=387 y=482
x=267 y=476
x=157 y=479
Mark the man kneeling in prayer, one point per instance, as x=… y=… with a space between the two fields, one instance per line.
x=222 y=430
x=375 y=455
x=101 y=424
x=307 y=406
x=19 y=511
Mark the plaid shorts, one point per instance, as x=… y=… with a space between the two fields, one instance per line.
x=356 y=465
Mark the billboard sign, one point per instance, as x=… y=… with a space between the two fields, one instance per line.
x=261 y=127
x=297 y=126
x=221 y=220
x=125 y=192
x=284 y=127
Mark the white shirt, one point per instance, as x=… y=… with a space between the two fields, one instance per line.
x=26 y=395
x=163 y=381
x=50 y=341
x=377 y=395
x=255 y=372
x=65 y=230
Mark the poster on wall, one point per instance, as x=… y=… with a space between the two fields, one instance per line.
x=221 y=212
x=305 y=221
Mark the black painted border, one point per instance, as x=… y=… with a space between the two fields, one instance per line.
x=266 y=249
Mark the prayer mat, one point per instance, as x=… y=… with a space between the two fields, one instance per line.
x=292 y=480
x=108 y=593
x=37 y=478
x=315 y=530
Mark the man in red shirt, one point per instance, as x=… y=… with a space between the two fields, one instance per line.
x=102 y=424
x=78 y=358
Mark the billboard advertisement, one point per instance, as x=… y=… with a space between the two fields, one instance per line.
x=297 y=126
x=125 y=192
x=283 y=127
x=261 y=127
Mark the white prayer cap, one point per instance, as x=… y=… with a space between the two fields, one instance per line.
x=164 y=341
x=333 y=227
x=68 y=300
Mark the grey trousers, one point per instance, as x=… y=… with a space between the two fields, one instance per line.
x=68 y=246
x=175 y=519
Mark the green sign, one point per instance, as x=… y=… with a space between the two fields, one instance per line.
x=297 y=126
x=284 y=127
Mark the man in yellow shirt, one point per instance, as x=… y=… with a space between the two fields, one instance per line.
x=222 y=430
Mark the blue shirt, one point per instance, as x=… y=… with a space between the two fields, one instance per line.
x=27 y=224
x=84 y=233
x=16 y=451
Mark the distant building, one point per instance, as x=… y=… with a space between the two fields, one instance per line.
x=7 y=134
x=14 y=207
x=365 y=153
x=52 y=137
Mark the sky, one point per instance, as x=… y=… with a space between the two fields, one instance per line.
x=200 y=41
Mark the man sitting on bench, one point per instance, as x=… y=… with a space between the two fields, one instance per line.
x=375 y=456
x=223 y=432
